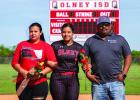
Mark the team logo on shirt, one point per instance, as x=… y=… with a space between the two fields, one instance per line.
x=38 y=53
x=61 y=47
x=112 y=41
x=67 y=52
x=26 y=52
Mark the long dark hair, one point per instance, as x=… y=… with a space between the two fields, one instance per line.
x=40 y=28
x=67 y=25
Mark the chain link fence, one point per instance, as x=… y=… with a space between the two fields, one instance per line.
x=5 y=60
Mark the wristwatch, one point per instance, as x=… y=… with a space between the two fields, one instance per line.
x=41 y=74
x=124 y=76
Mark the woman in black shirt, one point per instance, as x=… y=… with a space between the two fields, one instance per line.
x=64 y=83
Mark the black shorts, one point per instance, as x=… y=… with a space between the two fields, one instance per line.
x=34 y=92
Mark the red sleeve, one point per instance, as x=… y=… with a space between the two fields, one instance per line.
x=16 y=56
x=49 y=54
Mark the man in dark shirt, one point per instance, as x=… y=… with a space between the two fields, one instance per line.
x=106 y=50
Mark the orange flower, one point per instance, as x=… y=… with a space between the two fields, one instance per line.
x=39 y=67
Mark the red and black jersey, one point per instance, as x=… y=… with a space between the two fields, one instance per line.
x=67 y=56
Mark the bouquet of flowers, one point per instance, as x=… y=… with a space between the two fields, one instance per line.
x=35 y=71
x=84 y=60
x=32 y=76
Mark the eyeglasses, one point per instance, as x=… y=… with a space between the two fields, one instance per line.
x=104 y=24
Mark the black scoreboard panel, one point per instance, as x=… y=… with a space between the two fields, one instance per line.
x=85 y=27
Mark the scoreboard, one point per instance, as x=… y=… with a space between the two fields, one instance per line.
x=83 y=14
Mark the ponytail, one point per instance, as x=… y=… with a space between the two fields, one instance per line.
x=42 y=37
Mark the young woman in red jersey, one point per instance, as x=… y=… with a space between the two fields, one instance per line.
x=28 y=55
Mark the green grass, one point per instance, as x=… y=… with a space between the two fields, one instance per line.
x=7 y=75
x=133 y=80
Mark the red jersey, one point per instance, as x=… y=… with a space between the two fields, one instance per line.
x=28 y=55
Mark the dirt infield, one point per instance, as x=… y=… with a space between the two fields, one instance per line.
x=81 y=97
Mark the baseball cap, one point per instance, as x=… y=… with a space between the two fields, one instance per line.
x=103 y=19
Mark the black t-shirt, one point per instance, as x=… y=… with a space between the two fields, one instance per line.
x=67 y=56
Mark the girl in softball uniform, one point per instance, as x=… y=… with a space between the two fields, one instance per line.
x=64 y=83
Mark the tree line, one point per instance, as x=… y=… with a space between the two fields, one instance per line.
x=5 y=51
x=6 y=54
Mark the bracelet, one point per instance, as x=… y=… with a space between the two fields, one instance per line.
x=124 y=76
